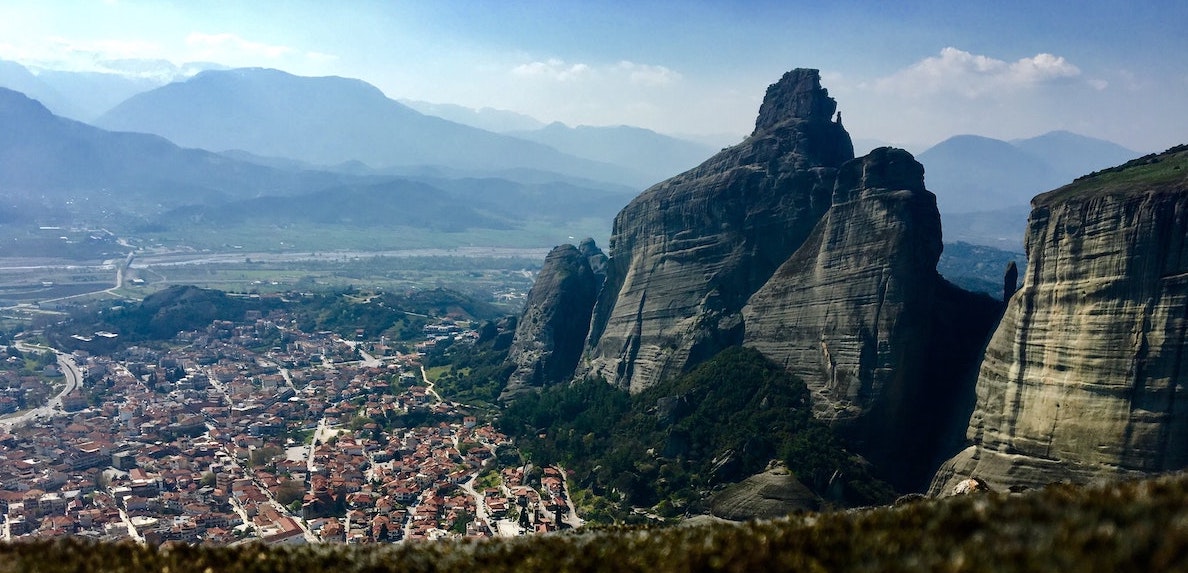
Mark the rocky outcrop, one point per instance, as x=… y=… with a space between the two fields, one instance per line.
x=595 y=257
x=848 y=313
x=687 y=253
x=551 y=332
x=1085 y=376
x=768 y=495
x=860 y=314
x=823 y=262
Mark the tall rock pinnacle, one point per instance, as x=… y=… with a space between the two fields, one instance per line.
x=798 y=95
x=687 y=253
x=824 y=263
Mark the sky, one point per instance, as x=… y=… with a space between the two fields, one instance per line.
x=905 y=73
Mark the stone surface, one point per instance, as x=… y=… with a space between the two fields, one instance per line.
x=823 y=262
x=1084 y=378
x=685 y=255
x=848 y=313
x=551 y=332
x=768 y=495
x=861 y=315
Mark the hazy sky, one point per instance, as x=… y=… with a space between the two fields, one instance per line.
x=910 y=73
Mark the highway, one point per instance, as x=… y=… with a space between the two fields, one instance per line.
x=53 y=407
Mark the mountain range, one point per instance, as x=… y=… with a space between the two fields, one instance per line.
x=327 y=121
x=971 y=173
x=56 y=171
x=346 y=124
x=60 y=162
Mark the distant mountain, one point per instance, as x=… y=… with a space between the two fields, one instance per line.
x=91 y=94
x=490 y=119
x=328 y=121
x=1072 y=155
x=85 y=95
x=641 y=150
x=969 y=173
x=16 y=77
x=61 y=164
x=437 y=205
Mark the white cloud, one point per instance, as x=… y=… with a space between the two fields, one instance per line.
x=974 y=76
x=554 y=69
x=231 y=46
x=320 y=57
x=57 y=53
x=647 y=75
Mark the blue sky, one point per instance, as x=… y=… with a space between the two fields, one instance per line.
x=909 y=73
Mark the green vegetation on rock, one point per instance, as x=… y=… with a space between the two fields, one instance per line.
x=1153 y=172
x=670 y=446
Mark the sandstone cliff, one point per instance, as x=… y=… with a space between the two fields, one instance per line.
x=860 y=314
x=686 y=254
x=1084 y=378
x=823 y=262
x=551 y=332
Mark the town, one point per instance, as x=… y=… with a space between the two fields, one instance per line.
x=253 y=430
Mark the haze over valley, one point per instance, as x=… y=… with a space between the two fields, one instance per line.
x=288 y=274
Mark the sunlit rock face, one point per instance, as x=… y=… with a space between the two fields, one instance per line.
x=685 y=255
x=552 y=329
x=859 y=313
x=823 y=262
x=1084 y=378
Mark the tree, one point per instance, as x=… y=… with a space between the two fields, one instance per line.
x=290 y=492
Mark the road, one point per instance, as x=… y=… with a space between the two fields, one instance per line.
x=429 y=385
x=53 y=406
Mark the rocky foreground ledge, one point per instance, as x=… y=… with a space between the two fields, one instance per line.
x=1128 y=526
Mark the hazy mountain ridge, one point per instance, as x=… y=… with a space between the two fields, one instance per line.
x=56 y=171
x=971 y=173
x=85 y=95
x=643 y=150
x=46 y=156
x=328 y=121
x=489 y=119
x=437 y=205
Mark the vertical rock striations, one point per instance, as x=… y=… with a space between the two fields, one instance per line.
x=551 y=332
x=854 y=313
x=1085 y=376
x=687 y=253
x=823 y=262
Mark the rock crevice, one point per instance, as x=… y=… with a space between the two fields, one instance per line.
x=1084 y=378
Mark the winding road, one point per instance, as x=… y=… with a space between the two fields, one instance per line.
x=53 y=406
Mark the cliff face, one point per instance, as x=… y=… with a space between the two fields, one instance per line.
x=824 y=263
x=860 y=314
x=687 y=253
x=551 y=332
x=848 y=313
x=1085 y=376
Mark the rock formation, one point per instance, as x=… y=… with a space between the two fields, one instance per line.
x=823 y=262
x=552 y=330
x=687 y=253
x=858 y=313
x=1085 y=376
x=771 y=494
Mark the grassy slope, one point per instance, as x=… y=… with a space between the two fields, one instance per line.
x=1133 y=526
x=1155 y=172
